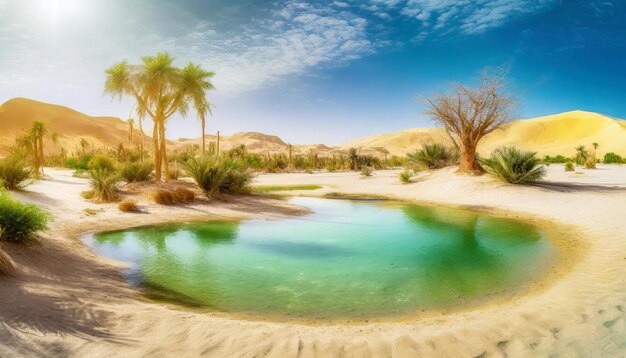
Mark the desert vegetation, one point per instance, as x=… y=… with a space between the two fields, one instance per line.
x=514 y=166
x=19 y=221
x=14 y=175
x=434 y=156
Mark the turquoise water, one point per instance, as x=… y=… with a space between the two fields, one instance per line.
x=349 y=259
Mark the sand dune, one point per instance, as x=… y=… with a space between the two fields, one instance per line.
x=18 y=114
x=549 y=135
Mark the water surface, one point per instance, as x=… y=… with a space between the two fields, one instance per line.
x=349 y=259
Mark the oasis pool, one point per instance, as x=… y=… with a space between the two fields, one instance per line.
x=346 y=260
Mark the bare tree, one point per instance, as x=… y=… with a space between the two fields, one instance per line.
x=468 y=114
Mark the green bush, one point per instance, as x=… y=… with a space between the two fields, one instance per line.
x=214 y=177
x=557 y=159
x=512 y=165
x=434 y=156
x=78 y=163
x=236 y=181
x=136 y=172
x=569 y=167
x=174 y=174
x=405 y=176
x=612 y=158
x=366 y=171
x=103 y=184
x=14 y=175
x=19 y=221
x=101 y=162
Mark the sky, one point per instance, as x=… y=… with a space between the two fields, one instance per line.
x=320 y=71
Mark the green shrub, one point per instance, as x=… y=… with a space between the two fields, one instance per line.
x=101 y=162
x=78 y=163
x=136 y=172
x=366 y=171
x=512 y=165
x=20 y=221
x=214 y=177
x=553 y=160
x=236 y=181
x=612 y=158
x=434 y=156
x=103 y=184
x=569 y=167
x=14 y=175
x=405 y=176
x=174 y=174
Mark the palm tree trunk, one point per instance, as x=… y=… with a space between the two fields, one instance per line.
x=157 y=156
x=42 y=159
x=203 y=139
x=166 y=166
x=141 y=135
x=36 y=156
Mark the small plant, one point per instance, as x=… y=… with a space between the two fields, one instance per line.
x=20 y=221
x=569 y=167
x=136 y=172
x=6 y=264
x=163 y=197
x=434 y=156
x=612 y=158
x=590 y=163
x=128 y=206
x=512 y=165
x=366 y=171
x=174 y=174
x=405 y=176
x=184 y=195
x=90 y=211
x=101 y=162
x=581 y=155
x=104 y=183
x=236 y=181
x=13 y=174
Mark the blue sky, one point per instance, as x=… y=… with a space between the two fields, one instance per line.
x=320 y=71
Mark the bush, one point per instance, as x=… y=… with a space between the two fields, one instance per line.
x=13 y=174
x=128 y=205
x=174 y=173
x=101 y=162
x=366 y=171
x=19 y=221
x=405 y=176
x=569 y=167
x=236 y=181
x=103 y=184
x=163 y=197
x=434 y=156
x=512 y=165
x=558 y=159
x=590 y=163
x=137 y=172
x=184 y=195
x=612 y=158
x=80 y=163
x=214 y=177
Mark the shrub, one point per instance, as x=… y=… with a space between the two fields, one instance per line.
x=569 y=167
x=101 y=162
x=13 y=174
x=174 y=173
x=184 y=195
x=218 y=177
x=137 y=172
x=78 y=163
x=434 y=156
x=18 y=220
x=103 y=184
x=366 y=171
x=163 y=197
x=612 y=158
x=512 y=165
x=405 y=176
x=128 y=205
x=236 y=181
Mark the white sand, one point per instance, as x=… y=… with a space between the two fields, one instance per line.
x=65 y=301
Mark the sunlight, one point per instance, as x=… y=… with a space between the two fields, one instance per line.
x=59 y=10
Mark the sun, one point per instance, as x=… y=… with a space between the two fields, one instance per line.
x=59 y=10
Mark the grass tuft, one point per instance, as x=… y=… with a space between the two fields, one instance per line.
x=14 y=175
x=20 y=221
x=128 y=206
x=514 y=166
x=184 y=195
x=163 y=197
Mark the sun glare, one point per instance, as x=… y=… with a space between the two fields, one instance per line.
x=58 y=10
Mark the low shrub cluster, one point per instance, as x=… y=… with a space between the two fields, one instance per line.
x=20 y=221
x=184 y=195
x=515 y=166
x=366 y=171
x=14 y=175
x=136 y=172
x=104 y=184
x=434 y=156
x=128 y=206
x=612 y=158
x=163 y=197
x=405 y=176
x=214 y=177
x=569 y=167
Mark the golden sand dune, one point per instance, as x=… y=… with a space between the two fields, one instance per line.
x=550 y=135
x=18 y=114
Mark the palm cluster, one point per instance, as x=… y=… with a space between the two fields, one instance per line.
x=161 y=90
x=514 y=166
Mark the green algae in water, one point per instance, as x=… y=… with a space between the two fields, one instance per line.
x=347 y=260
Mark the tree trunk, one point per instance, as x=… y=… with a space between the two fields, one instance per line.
x=157 y=156
x=203 y=139
x=42 y=160
x=469 y=163
x=166 y=165
x=141 y=135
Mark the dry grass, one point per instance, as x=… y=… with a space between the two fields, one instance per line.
x=6 y=264
x=184 y=195
x=163 y=197
x=128 y=206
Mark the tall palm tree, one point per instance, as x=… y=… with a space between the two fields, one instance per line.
x=37 y=132
x=196 y=82
x=160 y=90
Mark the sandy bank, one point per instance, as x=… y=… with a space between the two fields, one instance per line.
x=65 y=301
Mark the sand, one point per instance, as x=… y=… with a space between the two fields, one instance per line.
x=66 y=301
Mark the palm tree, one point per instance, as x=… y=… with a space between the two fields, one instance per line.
x=83 y=145
x=196 y=82
x=581 y=155
x=131 y=123
x=160 y=90
x=37 y=132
